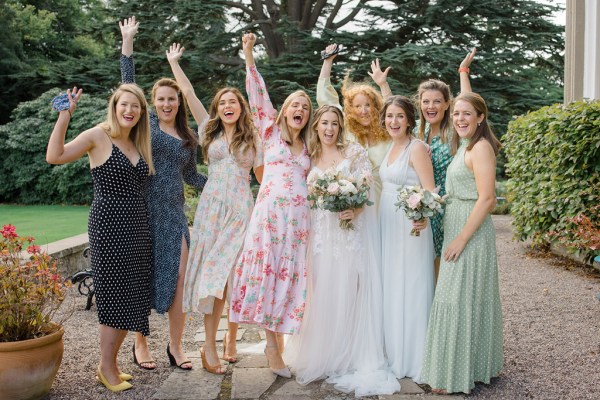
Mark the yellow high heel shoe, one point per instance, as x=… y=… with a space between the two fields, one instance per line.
x=113 y=388
x=125 y=377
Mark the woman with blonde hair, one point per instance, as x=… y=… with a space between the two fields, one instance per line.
x=121 y=250
x=341 y=337
x=362 y=108
x=269 y=283
x=174 y=147
x=231 y=148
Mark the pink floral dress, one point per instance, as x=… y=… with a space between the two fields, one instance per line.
x=269 y=284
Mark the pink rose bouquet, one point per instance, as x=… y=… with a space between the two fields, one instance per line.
x=418 y=204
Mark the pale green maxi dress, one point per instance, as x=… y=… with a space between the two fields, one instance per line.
x=464 y=336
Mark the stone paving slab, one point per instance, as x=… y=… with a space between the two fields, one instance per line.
x=251 y=383
x=252 y=361
x=407 y=386
x=200 y=336
x=293 y=390
x=197 y=384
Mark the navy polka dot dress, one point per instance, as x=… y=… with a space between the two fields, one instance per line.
x=121 y=250
x=174 y=163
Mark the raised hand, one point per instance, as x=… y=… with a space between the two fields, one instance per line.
x=468 y=59
x=74 y=95
x=128 y=28
x=328 y=50
x=175 y=52
x=378 y=76
x=248 y=41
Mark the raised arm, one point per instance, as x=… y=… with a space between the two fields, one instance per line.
x=263 y=112
x=129 y=28
x=196 y=107
x=58 y=152
x=380 y=78
x=463 y=71
x=326 y=94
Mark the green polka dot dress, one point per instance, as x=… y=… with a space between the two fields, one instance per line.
x=464 y=336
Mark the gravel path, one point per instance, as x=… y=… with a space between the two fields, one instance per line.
x=551 y=335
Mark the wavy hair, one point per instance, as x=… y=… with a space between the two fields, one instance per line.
x=244 y=134
x=187 y=135
x=444 y=89
x=140 y=133
x=374 y=131
x=315 y=147
x=484 y=130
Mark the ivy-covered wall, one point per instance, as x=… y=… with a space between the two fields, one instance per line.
x=554 y=175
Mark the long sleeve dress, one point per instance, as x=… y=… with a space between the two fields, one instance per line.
x=269 y=283
x=222 y=216
x=464 y=336
x=341 y=337
x=326 y=95
x=163 y=192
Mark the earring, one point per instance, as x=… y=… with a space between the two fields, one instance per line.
x=479 y=124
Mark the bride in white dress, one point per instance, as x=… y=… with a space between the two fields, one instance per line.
x=341 y=336
x=407 y=261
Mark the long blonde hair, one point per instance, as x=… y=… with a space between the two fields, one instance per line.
x=314 y=143
x=243 y=137
x=374 y=131
x=282 y=120
x=140 y=133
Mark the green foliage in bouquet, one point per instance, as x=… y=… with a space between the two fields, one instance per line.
x=31 y=289
x=554 y=169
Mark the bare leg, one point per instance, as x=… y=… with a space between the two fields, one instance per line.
x=272 y=351
x=176 y=314
x=142 y=352
x=281 y=342
x=229 y=342
x=111 y=340
x=211 y=325
x=436 y=269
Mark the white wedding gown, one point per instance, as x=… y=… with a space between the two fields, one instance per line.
x=407 y=272
x=341 y=336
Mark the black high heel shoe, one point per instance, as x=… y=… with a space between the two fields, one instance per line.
x=141 y=363
x=174 y=362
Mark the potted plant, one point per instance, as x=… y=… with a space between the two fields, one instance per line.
x=31 y=292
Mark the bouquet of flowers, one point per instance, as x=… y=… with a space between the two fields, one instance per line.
x=333 y=191
x=418 y=204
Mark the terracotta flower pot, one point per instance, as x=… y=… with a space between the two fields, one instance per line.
x=28 y=367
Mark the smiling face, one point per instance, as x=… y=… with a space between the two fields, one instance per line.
x=328 y=129
x=166 y=103
x=361 y=107
x=297 y=113
x=396 y=122
x=229 y=108
x=465 y=119
x=433 y=106
x=128 y=110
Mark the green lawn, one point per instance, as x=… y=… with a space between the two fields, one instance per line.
x=45 y=223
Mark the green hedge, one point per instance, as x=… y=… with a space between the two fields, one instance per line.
x=26 y=177
x=554 y=168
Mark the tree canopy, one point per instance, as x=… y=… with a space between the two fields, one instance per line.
x=56 y=43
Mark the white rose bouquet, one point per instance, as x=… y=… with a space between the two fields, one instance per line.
x=332 y=191
x=418 y=204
